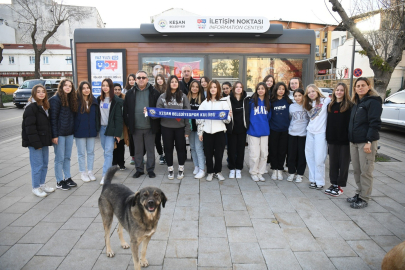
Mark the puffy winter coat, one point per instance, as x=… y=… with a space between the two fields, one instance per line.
x=62 y=118
x=87 y=124
x=36 y=127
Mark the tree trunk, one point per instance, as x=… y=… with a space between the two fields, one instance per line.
x=381 y=81
x=37 y=74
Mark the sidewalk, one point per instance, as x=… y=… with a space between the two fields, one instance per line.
x=205 y=225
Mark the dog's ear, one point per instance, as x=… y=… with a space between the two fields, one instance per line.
x=133 y=199
x=163 y=198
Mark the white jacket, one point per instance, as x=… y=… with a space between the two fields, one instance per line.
x=213 y=126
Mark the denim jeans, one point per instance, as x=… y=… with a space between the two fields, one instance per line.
x=197 y=150
x=85 y=145
x=63 y=152
x=107 y=142
x=39 y=165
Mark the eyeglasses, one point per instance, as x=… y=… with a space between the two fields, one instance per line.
x=141 y=78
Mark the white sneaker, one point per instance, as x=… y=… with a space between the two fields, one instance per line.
x=254 y=177
x=196 y=170
x=261 y=178
x=280 y=175
x=290 y=177
x=298 y=179
x=47 y=189
x=209 y=177
x=200 y=174
x=91 y=176
x=102 y=181
x=85 y=177
x=39 y=192
x=232 y=174
x=274 y=175
x=220 y=176
x=238 y=174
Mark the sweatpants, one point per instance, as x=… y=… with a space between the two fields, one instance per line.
x=158 y=142
x=257 y=154
x=144 y=139
x=363 y=166
x=296 y=155
x=214 y=146
x=118 y=154
x=278 y=149
x=170 y=137
x=236 y=150
x=316 y=149
x=339 y=161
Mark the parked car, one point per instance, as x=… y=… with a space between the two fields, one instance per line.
x=20 y=97
x=327 y=92
x=8 y=89
x=393 y=114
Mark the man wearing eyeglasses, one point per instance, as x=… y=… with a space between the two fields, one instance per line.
x=143 y=129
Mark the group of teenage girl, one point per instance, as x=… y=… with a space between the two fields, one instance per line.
x=298 y=132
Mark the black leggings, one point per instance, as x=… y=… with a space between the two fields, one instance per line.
x=170 y=137
x=278 y=149
x=118 y=154
x=214 y=146
x=158 y=142
x=296 y=155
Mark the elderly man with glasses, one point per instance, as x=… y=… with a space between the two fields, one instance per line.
x=143 y=129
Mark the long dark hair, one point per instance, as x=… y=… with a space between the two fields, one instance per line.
x=200 y=94
x=162 y=88
x=111 y=93
x=176 y=95
x=127 y=85
x=44 y=102
x=68 y=100
x=84 y=108
x=255 y=96
x=274 y=97
x=274 y=82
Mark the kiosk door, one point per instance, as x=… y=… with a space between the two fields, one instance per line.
x=226 y=68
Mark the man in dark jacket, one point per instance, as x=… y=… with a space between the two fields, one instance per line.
x=143 y=129
x=186 y=73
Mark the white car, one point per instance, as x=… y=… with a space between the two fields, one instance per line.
x=393 y=114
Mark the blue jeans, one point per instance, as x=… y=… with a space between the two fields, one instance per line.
x=107 y=142
x=85 y=145
x=197 y=150
x=39 y=165
x=63 y=152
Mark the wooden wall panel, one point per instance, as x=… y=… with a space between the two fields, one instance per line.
x=133 y=49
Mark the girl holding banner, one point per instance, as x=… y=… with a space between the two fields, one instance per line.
x=174 y=130
x=212 y=132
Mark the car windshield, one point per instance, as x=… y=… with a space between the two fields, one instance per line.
x=30 y=84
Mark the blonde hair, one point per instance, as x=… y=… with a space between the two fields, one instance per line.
x=307 y=101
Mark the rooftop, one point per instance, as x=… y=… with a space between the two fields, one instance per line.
x=30 y=47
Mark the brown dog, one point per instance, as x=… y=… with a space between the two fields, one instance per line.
x=138 y=213
x=395 y=258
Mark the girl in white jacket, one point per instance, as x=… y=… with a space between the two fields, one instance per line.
x=212 y=132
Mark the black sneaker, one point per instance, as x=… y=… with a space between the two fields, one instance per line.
x=151 y=174
x=162 y=160
x=138 y=174
x=336 y=192
x=70 y=182
x=62 y=185
x=312 y=185
x=122 y=168
x=360 y=203
x=353 y=199
x=329 y=189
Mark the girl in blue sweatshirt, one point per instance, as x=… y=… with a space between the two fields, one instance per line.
x=257 y=117
x=279 y=124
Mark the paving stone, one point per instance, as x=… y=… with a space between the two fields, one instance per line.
x=184 y=229
x=335 y=247
x=80 y=259
x=189 y=189
x=61 y=213
x=349 y=230
x=93 y=238
x=280 y=259
x=163 y=228
x=314 y=260
x=41 y=233
x=371 y=226
x=118 y=262
x=18 y=255
x=369 y=251
x=210 y=195
x=48 y=203
x=19 y=208
x=330 y=211
x=181 y=264
x=186 y=213
x=211 y=209
x=86 y=212
x=80 y=224
x=182 y=248
x=392 y=223
x=395 y=208
x=43 y=262
x=213 y=252
x=54 y=247
x=241 y=234
x=155 y=253
x=349 y=263
x=320 y=227
x=233 y=202
x=228 y=188
x=249 y=267
x=3 y=249
x=300 y=239
x=249 y=253
x=288 y=220
x=387 y=242
x=188 y=200
x=10 y=235
x=269 y=234
x=259 y=211
x=237 y=218
x=212 y=227
x=6 y=202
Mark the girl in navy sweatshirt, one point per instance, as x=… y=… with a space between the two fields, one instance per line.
x=279 y=124
x=257 y=117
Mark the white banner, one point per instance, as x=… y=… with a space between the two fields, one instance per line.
x=204 y=24
x=106 y=65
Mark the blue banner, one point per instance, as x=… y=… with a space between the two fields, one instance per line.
x=187 y=114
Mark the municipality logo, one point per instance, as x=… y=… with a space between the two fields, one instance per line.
x=152 y=112
x=201 y=23
x=222 y=114
x=162 y=23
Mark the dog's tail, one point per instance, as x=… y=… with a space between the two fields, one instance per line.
x=110 y=174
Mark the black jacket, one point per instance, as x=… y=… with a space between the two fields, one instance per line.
x=115 y=120
x=365 y=120
x=237 y=124
x=129 y=109
x=62 y=118
x=337 y=125
x=36 y=127
x=87 y=124
x=246 y=111
x=185 y=86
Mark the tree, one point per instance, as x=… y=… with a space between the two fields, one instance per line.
x=384 y=46
x=40 y=20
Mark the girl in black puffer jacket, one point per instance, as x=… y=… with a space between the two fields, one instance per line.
x=63 y=106
x=36 y=135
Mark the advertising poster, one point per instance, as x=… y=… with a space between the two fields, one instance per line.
x=195 y=66
x=106 y=64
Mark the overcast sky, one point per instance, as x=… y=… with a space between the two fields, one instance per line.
x=131 y=13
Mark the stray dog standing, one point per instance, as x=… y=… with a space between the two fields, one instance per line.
x=138 y=213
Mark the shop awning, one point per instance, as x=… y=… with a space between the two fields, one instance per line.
x=326 y=63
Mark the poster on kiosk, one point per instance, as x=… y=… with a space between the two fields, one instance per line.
x=106 y=64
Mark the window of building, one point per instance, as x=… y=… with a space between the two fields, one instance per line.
x=317 y=48
x=335 y=43
x=45 y=59
x=11 y=60
x=326 y=34
x=343 y=40
x=32 y=60
x=69 y=60
x=317 y=33
x=325 y=49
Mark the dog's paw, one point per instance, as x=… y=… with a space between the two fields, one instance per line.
x=110 y=253
x=124 y=245
x=144 y=262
